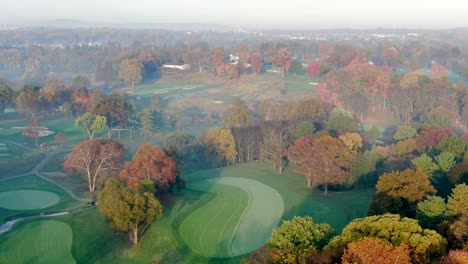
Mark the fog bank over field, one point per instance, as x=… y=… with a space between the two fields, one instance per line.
x=261 y=13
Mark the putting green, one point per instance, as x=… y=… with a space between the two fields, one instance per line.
x=236 y=220
x=27 y=199
x=38 y=242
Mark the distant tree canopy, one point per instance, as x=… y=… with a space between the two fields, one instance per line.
x=131 y=71
x=7 y=97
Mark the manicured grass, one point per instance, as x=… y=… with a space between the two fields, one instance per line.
x=17 y=160
x=35 y=183
x=44 y=241
x=24 y=200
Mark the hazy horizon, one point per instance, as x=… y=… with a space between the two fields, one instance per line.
x=261 y=13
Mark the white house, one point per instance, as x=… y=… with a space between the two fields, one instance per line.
x=176 y=67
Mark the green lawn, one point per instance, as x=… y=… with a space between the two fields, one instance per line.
x=17 y=160
x=43 y=241
x=26 y=200
x=34 y=183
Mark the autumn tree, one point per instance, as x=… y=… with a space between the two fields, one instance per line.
x=131 y=71
x=94 y=158
x=129 y=210
x=296 y=67
x=405 y=132
x=430 y=137
x=221 y=143
x=282 y=61
x=322 y=159
x=276 y=139
x=297 y=238
x=149 y=162
x=352 y=141
x=340 y=120
x=425 y=163
x=115 y=110
x=28 y=101
x=257 y=64
x=146 y=121
x=374 y=250
x=216 y=57
x=424 y=245
x=80 y=81
x=7 y=97
x=410 y=184
x=455 y=257
x=238 y=116
x=452 y=144
x=227 y=71
x=304 y=129
x=307 y=109
x=32 y=131
x=195 y=55
x=91 y=124
x=439 y=117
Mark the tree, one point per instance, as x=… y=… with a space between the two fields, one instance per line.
x=304 y=129
x=91 y=124
x=131 y=71
x=405 y=147
x=227 y=71
x=7 y=97
x=459 y=173
x=431 y=212
x=438 y=117
x=341 y=120
x=452 y=144
x=425 y=163
x=410 y=184
x=298 y=237
x=149 y=162
x=296 y=67
x=129 y=210
x=374 y=133
x=456 y=257
x=323 y=159
x=276 y=140
x=307 y=109
x=352 y=141
x=32 y=131
x=28 y=101
x=405 y=132
x=424 y=245
x=314 y=68
x=94 y=158
x=445 y=161
x=238 y=116
x=431 y=137
x=221 y=142
x=364 y=166
x=146 y=121
x=282 y=61
x=216 y=57
x=80 y=82
x=457 y=204
x=257 y=64
x=115 y=110
x=374 y=250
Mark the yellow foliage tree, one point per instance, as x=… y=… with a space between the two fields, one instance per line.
x=222 y=142
x=352 y=141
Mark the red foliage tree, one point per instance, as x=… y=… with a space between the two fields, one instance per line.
x=149 y=162
x=282 y=60
x=94 y=158
x=438 y=71
x=314 y=68
x=430 y=137
x=257 y=64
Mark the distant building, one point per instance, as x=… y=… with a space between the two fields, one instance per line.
x=233 y=59
x=176 y=67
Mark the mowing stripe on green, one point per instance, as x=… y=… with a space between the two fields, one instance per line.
x=38 y=242
x=27 y=199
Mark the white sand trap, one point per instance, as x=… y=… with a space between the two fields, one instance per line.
x=4 y=155
x=190 y=87
x=162 y=92
x=217 y=102
x=2 y=144
x=27 y=199
x=313 y=83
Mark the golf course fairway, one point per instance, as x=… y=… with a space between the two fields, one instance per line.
x=46 y=241
x=27 y=199
x=236 y=219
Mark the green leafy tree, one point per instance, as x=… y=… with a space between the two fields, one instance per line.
x=404 y=132
x=91 y=123
x=445 y=161
x=129 y=210
x=374 y=133
x=364 y=166
x=297 y=237
x=295 y=68
x=431 y=212
x=452 y=144
x=425 y=163
x=7 y=97
x=80 y=82
x=425 y=245
x=304 y=128
x=146 y=121
x=341 y=120
x=457 y=204
x=438 y=117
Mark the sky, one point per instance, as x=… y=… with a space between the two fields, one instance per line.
x=252 y=13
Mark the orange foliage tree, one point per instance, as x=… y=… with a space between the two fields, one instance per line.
x=374 y=250
x=413 y=185
x=149 y=162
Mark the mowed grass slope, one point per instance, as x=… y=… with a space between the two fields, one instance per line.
x=34 y=183
x=45 y=241
x=16 y=160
